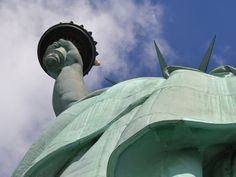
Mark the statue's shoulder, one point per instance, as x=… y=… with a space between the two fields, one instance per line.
x=86 y=120
x=128 y=87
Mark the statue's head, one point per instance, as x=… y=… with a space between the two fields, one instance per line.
x=220 y=71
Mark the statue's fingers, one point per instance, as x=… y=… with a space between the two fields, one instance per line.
x=63 y=43
x=49 y=48
x=71 y=46
x=68 y=45
x=56 y=44
x=53 y=46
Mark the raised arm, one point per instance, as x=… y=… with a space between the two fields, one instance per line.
x=64 y=63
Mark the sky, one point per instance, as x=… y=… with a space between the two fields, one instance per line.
x=124 y=30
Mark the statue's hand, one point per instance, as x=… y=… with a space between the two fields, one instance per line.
x=61 y=54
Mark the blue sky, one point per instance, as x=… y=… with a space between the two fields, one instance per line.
x=188 y=28
x=191 y=24
x=125 y=31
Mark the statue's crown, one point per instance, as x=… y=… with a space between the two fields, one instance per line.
x=166 y=70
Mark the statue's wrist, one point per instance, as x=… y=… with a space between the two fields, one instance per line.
x=77 y=67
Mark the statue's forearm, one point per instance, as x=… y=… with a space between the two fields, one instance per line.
x=69 y=88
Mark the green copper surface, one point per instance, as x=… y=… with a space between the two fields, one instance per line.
x=162 y=61
x=206 y=59
x=180 y=126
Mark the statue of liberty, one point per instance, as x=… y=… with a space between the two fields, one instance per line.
x=180 y=125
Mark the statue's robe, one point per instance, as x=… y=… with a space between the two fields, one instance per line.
x=126 y=130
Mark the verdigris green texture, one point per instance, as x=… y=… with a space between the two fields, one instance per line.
x=183 y=125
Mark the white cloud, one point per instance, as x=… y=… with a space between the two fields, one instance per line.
x=219 y=60
x=26 y=90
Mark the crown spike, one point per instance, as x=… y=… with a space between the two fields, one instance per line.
x=203 y=66
x=111 y=81
x=161 y=59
